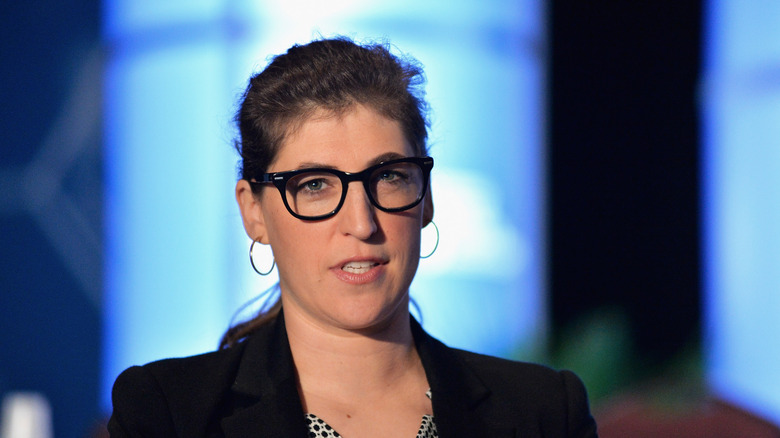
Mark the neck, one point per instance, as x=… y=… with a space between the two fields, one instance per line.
x=354 y=364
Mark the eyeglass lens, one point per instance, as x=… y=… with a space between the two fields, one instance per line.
x=317 y=193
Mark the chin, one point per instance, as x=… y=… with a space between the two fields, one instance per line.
x=370 y=320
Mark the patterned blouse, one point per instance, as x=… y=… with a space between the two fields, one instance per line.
x=318 y=428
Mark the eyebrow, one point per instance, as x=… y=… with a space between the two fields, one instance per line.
x=388 y=156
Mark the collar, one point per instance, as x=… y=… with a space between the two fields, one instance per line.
x=457 y=391
x=269 y=405
x=266 y=389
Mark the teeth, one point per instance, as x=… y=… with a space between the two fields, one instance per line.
x=358 y=267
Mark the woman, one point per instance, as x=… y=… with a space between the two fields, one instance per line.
x=334 y=178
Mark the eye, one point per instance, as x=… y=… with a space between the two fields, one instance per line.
x=393 y=176
x=389 y=175
x=315 y=184
x=311 y=185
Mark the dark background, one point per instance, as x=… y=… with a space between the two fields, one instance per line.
x=623 y=191
x=624 y=171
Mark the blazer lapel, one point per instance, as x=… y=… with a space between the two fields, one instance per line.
x=266 y=389
x=267 y=402
x=457 y=392
x=270 y=417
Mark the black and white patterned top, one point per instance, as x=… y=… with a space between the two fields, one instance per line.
x=318 y=428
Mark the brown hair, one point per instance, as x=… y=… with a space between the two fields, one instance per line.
x=330 y=74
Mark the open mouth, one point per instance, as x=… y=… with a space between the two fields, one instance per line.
x=358 y=267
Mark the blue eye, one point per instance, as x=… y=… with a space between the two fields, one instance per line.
x=389 y=176
x=309 y=182
x=313 y=185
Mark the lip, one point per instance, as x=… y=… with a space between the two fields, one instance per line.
x=360 y=278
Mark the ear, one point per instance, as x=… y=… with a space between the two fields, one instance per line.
x=251 y=212
x=428 y=208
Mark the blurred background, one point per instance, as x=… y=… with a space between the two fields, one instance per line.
x=607 y=191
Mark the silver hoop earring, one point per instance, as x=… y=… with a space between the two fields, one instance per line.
x=252 y=260
x=437 y=241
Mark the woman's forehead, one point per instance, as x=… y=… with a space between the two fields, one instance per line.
x=344 y=141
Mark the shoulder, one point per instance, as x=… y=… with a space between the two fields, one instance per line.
x=555 y=397
x=207 y=370
x=498 y=373
x=148 y=399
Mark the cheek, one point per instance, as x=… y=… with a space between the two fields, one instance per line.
x=407 y=244
x=405 y=234
x=289 y=238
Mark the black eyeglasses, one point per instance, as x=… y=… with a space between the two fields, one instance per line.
x=319 y=193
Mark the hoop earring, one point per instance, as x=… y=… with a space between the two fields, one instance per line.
x=437 y=241
x=252 y=260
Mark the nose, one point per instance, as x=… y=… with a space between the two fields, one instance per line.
x=357 y=215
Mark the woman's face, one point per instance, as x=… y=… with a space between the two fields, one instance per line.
x=353 y=270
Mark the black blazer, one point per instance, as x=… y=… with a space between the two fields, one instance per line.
x=250 y=390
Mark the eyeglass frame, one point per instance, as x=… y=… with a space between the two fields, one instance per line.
x=280 y=179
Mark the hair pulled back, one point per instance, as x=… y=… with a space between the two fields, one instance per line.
x=332 y=75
